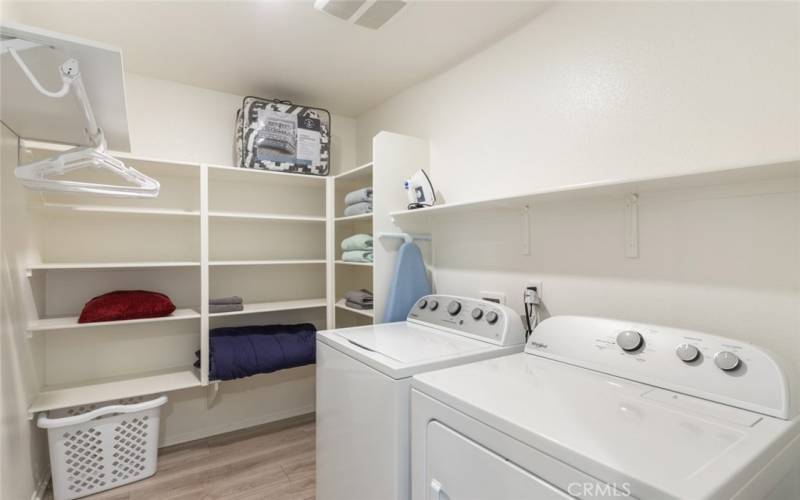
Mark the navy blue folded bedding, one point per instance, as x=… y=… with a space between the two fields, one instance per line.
x=242 y=351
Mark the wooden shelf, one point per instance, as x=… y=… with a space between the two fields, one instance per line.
x=109 y=209
x=235 y=174
x=362 y=172
x=342 y=304
x=277 y=262
x=620 y=187
x=268 y=217
x=72 y=321
x=110 y=265
x=363 y=264
x=354 y=218
x=64 y=396
x=285 y=305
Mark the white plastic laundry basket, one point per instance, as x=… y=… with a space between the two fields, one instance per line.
x=97 y=447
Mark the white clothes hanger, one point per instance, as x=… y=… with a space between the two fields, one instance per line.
x=39 y=175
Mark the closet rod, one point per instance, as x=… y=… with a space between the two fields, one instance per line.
x=408 y=238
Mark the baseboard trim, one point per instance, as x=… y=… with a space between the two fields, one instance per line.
x=41 y=486
x=235 y=426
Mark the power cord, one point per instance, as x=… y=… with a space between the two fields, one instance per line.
x=530 y=300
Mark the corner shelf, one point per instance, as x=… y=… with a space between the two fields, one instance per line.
x=354 y=218
x=362 y=171
x=285 y=305
x=71 y=322
x=112 y=388
x=237 y=174
x=342 y=304
x=361 y=264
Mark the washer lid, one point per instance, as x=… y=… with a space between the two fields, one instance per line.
x=614 y=429
x=402 y=349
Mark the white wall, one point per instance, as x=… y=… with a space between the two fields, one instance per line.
x=599 y=91
x=180 y=122
x=23 y=455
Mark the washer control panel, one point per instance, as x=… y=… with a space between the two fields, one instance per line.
x=699 y=364
x=481 y=319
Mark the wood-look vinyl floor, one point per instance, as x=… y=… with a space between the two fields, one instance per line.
x=268 y=462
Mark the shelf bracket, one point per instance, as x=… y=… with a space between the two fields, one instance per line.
x=525 y=221
x=212 y=392
x=632 y=226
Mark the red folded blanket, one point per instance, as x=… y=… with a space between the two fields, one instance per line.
x=126 y=304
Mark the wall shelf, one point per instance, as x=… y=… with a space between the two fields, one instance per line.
x=110 y=265
x=267 y=217
x=108 y=209
x=236 y=174
x=361 y=264
x=342 y=304
x=274 y=262
x=62 y=396
x=284 y=305
x=620 y=187
x=72 y=321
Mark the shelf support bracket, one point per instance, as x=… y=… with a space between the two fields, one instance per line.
x=212 y=392
x=525 y=221
x=632 y=226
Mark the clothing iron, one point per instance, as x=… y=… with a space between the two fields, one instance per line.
x=420 y=191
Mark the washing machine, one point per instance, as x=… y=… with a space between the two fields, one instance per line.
x=598 y=408
x=363 y=388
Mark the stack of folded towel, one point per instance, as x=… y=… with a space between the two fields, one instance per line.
x=225 y=304
x=358 y=299
x=358 y=202
x=357 y=248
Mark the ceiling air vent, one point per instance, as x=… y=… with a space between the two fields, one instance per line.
x=367 y=13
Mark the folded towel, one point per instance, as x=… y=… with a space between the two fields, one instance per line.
x=362 y=296
x=224 y=308
x=358 y=196
x=356 y=305
x=409 y=284
x=235 y=299
x=357 y=242
x=357 y=256
x=365 y=207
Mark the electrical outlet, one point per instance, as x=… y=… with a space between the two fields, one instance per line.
x=537 y=285
x=497 y=297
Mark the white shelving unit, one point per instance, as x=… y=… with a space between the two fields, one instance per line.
x=213 y=231
x=341 y=304
x=350 y=275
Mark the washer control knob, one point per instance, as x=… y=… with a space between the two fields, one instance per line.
x=454 y=308
x=477 y=314
x=687 y=352
x=726 y=360
x=433 y=305
x=491 y=317
x=629 y=340
x=423 y=303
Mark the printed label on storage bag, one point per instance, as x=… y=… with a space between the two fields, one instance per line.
x=277 y=137
x=309 y=141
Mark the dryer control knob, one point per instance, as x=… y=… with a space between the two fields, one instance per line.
x=477 y=314
x=687 y=352
x=454 y=308
x=422 y=303
x=491 y=317
x=629 y=340
x=434 y=305
x=726 y=360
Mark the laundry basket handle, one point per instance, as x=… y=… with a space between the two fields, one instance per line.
x=48 y=423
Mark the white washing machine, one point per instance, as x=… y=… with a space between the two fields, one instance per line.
x=598 y=408
x=363 y=388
